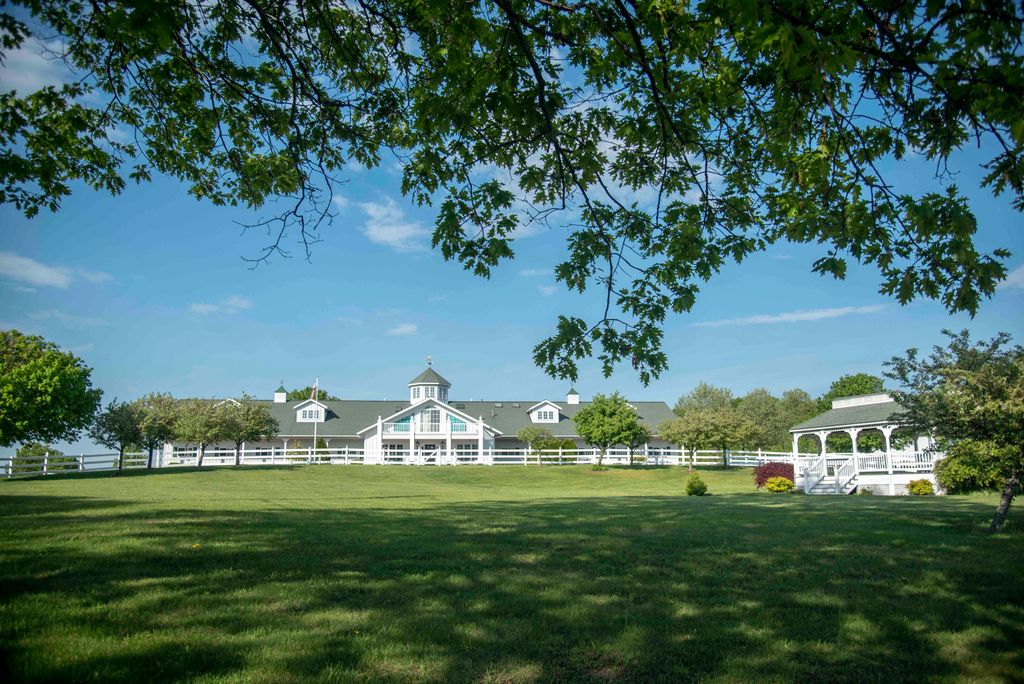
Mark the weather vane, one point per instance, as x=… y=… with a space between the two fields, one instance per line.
x=430 y=360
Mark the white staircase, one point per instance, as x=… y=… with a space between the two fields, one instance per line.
x=818 y=480
x=827 y=485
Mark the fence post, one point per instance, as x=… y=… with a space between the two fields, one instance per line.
x=81 y=463
x=46 y=462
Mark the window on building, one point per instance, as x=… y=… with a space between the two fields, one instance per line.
x=415 y=392
x=545 y=416
x=309 y=415
x=429 y=392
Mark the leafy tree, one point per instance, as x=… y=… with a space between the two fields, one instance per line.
x=704 y=397
x=971 y=466
x=851 y=386
x=605 y=422
x=306 y=392
x=157 y=414
x=536 y=436
x=970 y=394
x=117 y=427
x=707 y=429
x=245 y=421
x=46 y=395
x=769 y=424
x=752 y=123
x=637 y=437
x=29 y=457
x=797 y=406
x=198 y=422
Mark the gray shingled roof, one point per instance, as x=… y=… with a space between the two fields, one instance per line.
x=430 y=375
x=346 y=417
x=850 y=416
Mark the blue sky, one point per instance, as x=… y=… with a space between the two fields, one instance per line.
x=151 y=290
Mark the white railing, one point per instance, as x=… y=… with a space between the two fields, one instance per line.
x=845 y=474
x=814 y=472
x=396 y=427
x=813 y=468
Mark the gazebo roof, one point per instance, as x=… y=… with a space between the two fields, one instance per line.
x=873 y=414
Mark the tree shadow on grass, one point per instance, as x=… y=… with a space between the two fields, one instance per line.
x=600 y=589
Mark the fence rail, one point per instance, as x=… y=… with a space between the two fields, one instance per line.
x=815 y=465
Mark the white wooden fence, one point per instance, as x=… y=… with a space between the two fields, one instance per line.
x=274 y=456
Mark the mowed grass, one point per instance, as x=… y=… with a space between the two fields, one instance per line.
x=504 y=574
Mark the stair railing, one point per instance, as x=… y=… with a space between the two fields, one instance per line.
x=845 y=474
x=814 y=473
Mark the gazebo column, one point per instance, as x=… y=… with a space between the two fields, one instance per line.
x=853 y=432
x=887 y=434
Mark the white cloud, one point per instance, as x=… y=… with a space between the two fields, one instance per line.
x=229 y=305
x=1014 y=279
x=70 y=320
x=32 y=272
x=22 y=288
x=782 y=257
x=547 y=290
x=341 y=202
x=792 y=316
x=386 y=225
x=403 y=330
x=535 y=272
x=33 y=66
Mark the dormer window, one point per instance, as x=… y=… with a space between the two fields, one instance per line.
x=429 y=391
x=415 y=392
x=310 y=415
x=544 y=412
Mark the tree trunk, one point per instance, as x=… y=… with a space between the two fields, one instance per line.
x=693 y=457
x=202 y=453
x=238 y=458
x=120 y=459
x=149 y=461
x=600 y=457
x=1010 y=489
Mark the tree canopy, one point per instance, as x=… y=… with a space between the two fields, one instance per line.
x=46 y=395
x=971 y=396
x=157 y=413
x=665 y=138
x=246 y=420
x=118 y=426
x=307 y=392
x=608 y=420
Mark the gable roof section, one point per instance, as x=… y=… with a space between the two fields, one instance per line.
x=431 y=402
x=884 y=413
x=347 y=417
x=296 y=407
x=546 y=402
x=429 y=376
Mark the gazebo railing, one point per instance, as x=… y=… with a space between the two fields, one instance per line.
x=845 y=474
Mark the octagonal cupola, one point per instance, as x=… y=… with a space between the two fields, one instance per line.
x=428 y=385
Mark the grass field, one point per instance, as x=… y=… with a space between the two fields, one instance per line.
x=498 y=574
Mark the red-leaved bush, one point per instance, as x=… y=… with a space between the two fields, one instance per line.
x=766 y=470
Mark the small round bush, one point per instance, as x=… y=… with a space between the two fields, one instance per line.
x=778 y=484
x=695 y=486
x=865 y=491
x=920 y=488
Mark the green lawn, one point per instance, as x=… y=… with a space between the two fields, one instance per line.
x=504 y=574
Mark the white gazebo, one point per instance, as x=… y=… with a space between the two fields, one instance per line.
x=882 y=472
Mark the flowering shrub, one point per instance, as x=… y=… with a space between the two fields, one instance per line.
x=695 y=486
x=763 y=472
x=778 y=484
x=920 y=488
